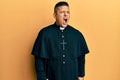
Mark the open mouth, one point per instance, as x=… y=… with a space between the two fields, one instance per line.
x=65 y=20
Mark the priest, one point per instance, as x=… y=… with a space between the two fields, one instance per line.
x=60 y=49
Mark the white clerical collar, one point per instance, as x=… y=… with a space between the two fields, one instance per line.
x=62 y=28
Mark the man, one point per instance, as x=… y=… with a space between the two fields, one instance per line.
x=60 y=49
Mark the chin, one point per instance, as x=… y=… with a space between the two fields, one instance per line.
x=64 y=25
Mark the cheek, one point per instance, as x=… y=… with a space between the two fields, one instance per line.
x=60 y=17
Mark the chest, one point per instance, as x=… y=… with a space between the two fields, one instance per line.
x=62 y=38
x=63 y=45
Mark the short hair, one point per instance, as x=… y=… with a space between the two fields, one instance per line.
x=61 y=3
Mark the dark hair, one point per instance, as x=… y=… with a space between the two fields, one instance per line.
x=61 y=3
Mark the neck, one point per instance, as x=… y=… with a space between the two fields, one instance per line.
x=60 y=25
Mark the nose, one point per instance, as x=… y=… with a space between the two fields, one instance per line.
x=65 y=14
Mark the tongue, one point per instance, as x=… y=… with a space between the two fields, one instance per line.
x=64 y=22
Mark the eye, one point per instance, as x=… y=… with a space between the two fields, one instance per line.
x=62 y=11
x=68 y=12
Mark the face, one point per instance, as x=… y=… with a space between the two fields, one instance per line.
x=62 y=16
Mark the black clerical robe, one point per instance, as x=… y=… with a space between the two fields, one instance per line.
x=60 y=54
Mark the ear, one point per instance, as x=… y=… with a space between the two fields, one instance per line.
x=54 y=15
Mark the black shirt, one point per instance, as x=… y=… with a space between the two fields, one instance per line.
x=60 y=54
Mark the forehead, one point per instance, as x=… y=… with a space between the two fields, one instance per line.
x=62 y=8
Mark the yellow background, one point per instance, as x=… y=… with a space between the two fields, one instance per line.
x=21 y=20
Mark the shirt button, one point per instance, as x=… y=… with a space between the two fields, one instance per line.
x=63 y=55
x=62 y=36
x=63 y=62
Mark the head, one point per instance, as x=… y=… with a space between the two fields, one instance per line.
x=62 y=13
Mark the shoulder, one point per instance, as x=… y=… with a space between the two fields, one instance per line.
x=75 y=31
x=46 y=29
